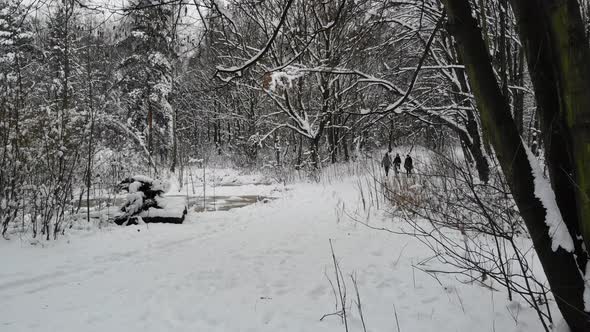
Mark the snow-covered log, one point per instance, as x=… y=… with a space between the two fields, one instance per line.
x=145 y=203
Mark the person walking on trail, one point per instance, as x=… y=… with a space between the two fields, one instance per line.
x=386 y=162
x=397 y=163
x=408 y=164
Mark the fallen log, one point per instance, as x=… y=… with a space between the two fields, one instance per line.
x=146 y=204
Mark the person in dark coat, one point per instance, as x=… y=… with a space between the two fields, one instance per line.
x=386 y=162
x=397 y=163
x=408 y=164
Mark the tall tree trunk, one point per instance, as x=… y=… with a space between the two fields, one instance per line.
x=475 y=140
x=345 y=148
x=331 y=139
x=90 y=134
x=334 y=139
x=277 y=150
x=208 y=130
x=554 y=39
x=390 y=138
x=502 y=49
x=314 y=150
x=518 y=93
x=150 y=122
x=561 y=268
x=174 y=150
x=568 y=55
x=299 y=153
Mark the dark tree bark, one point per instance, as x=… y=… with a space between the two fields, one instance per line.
x=473 y=141
x=562 y=269
x=502 y=49
x=390 y=138
x=300 y=152
x=174 y=150
x=277 y=150
x=345 y=147
x=559 y=62
x=333 y=140
x=519 y=94
x=315 y=153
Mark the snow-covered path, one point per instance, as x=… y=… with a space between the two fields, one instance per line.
x=259 y=268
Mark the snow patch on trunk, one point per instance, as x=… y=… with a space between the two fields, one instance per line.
x=587 y=288
x=560 y=237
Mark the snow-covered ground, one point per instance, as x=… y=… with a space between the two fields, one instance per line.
x=263 y=267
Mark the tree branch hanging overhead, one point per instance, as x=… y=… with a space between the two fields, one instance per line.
x=237 y=70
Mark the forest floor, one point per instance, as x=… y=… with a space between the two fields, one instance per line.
x=262 y=267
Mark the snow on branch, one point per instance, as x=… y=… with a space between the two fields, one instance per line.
x=238 y=69
x=400 y=101
x=283 y=78
x=369 y=79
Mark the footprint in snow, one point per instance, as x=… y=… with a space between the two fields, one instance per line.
x=377 y=253
x=450 y=289
x=317 y=292
x=383 y=284
x=267 y=317
x=430 y=300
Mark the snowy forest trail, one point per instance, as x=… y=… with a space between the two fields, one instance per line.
x=264 y=267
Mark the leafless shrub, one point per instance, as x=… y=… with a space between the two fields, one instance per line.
x=339 y=290
x=473 y=228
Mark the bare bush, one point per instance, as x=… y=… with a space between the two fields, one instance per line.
x=473 y=228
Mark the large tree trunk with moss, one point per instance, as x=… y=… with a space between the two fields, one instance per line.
x=559 y=61
x=565 y=276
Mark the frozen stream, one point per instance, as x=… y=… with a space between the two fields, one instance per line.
x=196 y=203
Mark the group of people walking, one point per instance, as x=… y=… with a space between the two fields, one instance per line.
x=387 y=162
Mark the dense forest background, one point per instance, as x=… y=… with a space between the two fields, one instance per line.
x=87 y=88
